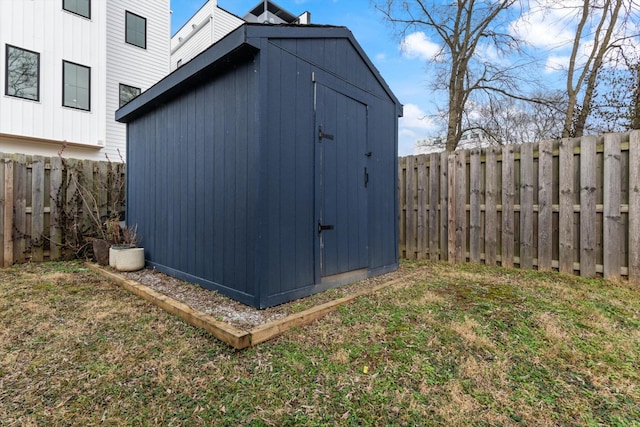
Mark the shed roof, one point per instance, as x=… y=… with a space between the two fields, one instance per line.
x=239 y=45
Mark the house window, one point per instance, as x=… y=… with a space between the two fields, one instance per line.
x=128 y=93
x=76 y=84
x=22 y=77
x=79 y=7
x=136 y=30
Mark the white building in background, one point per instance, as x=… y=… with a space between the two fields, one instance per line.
x=211 y=23
x=67 y=65
x=208 y=25
x=470 y=139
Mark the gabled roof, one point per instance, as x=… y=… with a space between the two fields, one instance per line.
x=239 y=45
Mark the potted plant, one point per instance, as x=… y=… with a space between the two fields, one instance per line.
x=125 y=255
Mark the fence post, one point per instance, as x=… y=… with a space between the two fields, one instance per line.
x=8 y=214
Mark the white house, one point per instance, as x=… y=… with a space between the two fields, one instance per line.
x=208 y=25
x=67 y=65
x=211 y=23
x=470 y=139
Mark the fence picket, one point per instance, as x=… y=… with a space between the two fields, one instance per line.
x=508 y=196
x=402 y=197
x=7 y=240
x=422 y=206
x=452 y=206
x=526 y=206
x=612 y=219
x=19 y=231
x=412 y=222
x=545 y=205
x=461 y=210
x=55 y=192
x=475 y=200
x=634 y=207
x=491 y=213
x=588 y=206
x=567 y=198
x=434 y=198
x=2 y=212
x=40 y=208
x=444 y=203
x=37 y=209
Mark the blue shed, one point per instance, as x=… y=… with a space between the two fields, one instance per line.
x=266 y=167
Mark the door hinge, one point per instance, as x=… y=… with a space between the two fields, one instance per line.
x=322 y=135
x=322 y=227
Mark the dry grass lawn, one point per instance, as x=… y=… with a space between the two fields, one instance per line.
x=455 y=345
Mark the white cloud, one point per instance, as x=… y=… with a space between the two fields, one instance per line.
x=556 y=63
x=415 y=118
x=414 y=125
x=380 y=57
x=546 y=27
x=418 y=46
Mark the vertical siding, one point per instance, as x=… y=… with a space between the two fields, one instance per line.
x=189 y=182
x=97 y=43
x=132 y=65
x=54 y=34
x=223 y=177
x=288 y=152
x=289 y=156
x=337 y=56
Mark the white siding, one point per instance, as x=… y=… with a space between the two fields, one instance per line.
x=39 y=127
x=207 y=26
x=56 y=35
x=132 y=65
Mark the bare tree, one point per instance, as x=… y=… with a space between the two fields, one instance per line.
x=597 y=25
x=514 y=121
x=616 y=100
x=463 y=29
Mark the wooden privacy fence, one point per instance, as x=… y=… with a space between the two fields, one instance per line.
x=571 y=205
x=48 y=206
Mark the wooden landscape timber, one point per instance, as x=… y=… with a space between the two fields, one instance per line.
x=229 y=334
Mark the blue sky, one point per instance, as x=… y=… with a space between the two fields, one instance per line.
x=406 y=76
x=546 y=28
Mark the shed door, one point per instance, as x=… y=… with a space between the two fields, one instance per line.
x=341 y=137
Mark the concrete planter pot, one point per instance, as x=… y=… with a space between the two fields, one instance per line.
x=126 y=258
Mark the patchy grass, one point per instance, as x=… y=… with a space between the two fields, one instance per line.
x=460 y=345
